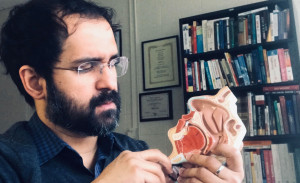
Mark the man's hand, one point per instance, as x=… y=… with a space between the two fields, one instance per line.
x=201 y=168
x=137 y=167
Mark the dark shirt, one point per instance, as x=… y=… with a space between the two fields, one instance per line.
x=31 y=152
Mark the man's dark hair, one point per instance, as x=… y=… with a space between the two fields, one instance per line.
x=35 y=32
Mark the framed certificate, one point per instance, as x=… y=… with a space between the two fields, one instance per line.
x=160 y=63
x=156 y=106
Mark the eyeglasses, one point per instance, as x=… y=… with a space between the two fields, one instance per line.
x=117 y=65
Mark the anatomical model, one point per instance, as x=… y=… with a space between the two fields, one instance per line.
x=212 y=120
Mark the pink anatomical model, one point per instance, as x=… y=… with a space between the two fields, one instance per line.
x=212 y=120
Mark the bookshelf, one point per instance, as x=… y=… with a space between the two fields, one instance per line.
x=246 y=38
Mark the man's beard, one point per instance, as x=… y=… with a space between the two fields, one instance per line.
x=80 y=120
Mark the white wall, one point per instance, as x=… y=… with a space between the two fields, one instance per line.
x=141 y=20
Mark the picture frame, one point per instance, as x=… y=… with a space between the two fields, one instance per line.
x=118 y=38
x=156 y=106
x=160 y=63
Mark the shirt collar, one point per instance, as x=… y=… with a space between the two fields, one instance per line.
x=49 y=145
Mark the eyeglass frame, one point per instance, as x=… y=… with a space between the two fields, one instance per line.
x=101 y=65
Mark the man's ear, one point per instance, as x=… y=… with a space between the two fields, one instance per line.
x=34 y=84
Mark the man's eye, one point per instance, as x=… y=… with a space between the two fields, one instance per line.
x=86 y=67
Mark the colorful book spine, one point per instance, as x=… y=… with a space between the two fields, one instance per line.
x=199 y=39
x=282 y=64
x=209 y=80
x=291 y=116
x=282 y=102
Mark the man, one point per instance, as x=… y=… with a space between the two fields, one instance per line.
x=62 y=56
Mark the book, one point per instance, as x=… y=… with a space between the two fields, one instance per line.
x=292 y=172
x=276 y=162
x=267 y=70
x=193 y=76
x=297 y=163
x=204 y=33
x=243 y=68
x=267 y=165
x=238 y=72
x=242 y=40
x=281 y=88
x=289 y=70
x=185 y=36
x=242 y=111
x=220 y=73
x=197 y=76
x=186 y=74
x=274 y=67
x=280 y=118
x=248 y=57
x=229 y=78
x=212 y=74
x=250 y=116
x=190 y=76
x=256 y=67
x=252 y=162
x=272 y=122
x=260 y=114
x=194 y=37
x=203 y=78
x=199 y=39
x=247 y=167
x=257 y=144
x=296 y=114
x=267 y=121
x=282 y=102
x=282 y=64
x=208 y=76
x=277 y=119
x=232 y=73
x=210 y=35
x=258 y=28
x=291 y=116
x=254 y=116
x=262 y=64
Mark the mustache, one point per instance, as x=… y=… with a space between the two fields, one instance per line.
x=104 y=97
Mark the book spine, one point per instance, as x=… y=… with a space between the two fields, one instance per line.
x=266 y=66
x=289 y=71
x=203 y=78
x=196 y=76
x=278 y=126
x=262 y=64
x=282 y=64
x=210 y=84
x=282 y=102
x=297 y=118
x=204 y=32
x=276 y=163
x=185 y=35
x=186 y=74
x=258 y=28
x=291 y=116
x=250 y=119
x=190 y=76
x=194 y=37
x=199 y=39
x=210 y=35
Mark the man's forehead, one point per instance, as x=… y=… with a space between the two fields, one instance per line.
x=74 y=20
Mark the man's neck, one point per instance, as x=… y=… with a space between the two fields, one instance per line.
x=85 y=146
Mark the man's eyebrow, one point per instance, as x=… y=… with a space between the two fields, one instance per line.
x=88 y=59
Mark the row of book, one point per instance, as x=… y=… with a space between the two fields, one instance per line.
x=260 y=66
x=276 y=112
x=265 y=162
x=251 y=27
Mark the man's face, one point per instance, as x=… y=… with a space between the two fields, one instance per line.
x=86 y=106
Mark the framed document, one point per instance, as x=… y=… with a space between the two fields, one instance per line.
x=156 y=106
x=118 y=37
x=160 y=63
